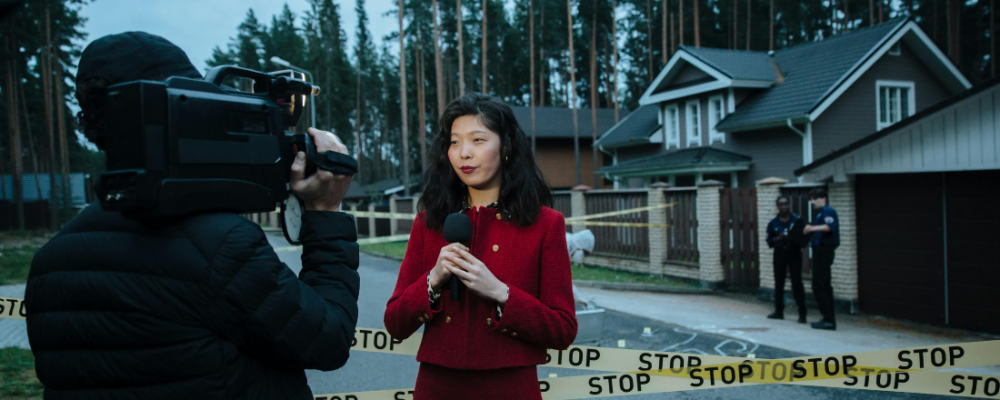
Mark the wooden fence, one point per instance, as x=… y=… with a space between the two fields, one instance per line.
x=619 y=241
x=561 y=202
x=682 y=234
x=405 y=205
x=740 y=256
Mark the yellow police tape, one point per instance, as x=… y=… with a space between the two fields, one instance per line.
x=645 y=372
x=584 y=220
x=907 y=370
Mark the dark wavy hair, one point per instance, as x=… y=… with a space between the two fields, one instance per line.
x=523 y=191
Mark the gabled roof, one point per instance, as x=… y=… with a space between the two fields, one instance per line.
x=691 y=158
x=736 y=64
x=817 y=73
x=635 y=128
x=899 y=126
x=557 y=123
x=379 y=188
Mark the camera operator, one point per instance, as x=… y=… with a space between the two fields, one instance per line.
x=198 y=307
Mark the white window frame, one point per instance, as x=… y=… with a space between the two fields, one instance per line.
x=713 y=135
x=671 y=124
x=896 y=49
x=911 y=100
x=692 y=126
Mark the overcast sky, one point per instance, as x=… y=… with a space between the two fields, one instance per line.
x=197 y=26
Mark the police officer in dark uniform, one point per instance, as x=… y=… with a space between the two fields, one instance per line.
x=826 y=227
x=787 y=258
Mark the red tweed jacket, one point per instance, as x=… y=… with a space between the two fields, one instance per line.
x=540 y=313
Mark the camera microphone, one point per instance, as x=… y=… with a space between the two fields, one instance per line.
x=457 y=229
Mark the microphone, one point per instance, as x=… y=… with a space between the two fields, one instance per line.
x=457 y=229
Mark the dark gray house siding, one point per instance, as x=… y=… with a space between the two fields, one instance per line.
x=776 y=152
x=854 y=115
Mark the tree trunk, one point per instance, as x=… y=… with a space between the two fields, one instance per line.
x=593 y=85
x=438 y=77
x=954 y=19
x=461 y=52
x=47 y=88
x=17 y=187
x=61 y=123
x=847 y=15
x=571 y=98
x=405 y=156
x=748 y=24
x=871 y=12
x=697 y=25
x=614 y=56
x=663 y=37
x=993 y=42
x=19 y=92
x=649 y=39
x=770 y=38
x=357 y=121
x=734 y=26
x=881 y=5
x=421 y=104
x=484 y=60
x=680 y=19
x=531 y=73
x=541 y=58
x=608 y=99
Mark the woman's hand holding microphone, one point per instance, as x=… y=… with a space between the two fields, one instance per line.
x=455 y=259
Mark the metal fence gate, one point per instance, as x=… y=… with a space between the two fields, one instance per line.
x=740 y=256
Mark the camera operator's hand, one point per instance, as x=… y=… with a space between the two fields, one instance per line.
x=323 y=190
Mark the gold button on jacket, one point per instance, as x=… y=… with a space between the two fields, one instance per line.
x=496 y=248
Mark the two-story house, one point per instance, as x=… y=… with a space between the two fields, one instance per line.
x=741 y=116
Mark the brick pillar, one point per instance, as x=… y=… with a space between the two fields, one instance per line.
x=578 y=205
x=371 y=221
x=768 y=190
x=711 y=272
x=354 y=209
x=844 y=274
x=393 y=225
x=657 y=235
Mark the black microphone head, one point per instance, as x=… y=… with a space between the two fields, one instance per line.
x=457 y=228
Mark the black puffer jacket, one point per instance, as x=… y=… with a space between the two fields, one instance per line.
x=200 y=308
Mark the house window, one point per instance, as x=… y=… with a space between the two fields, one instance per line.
x=895 y=49
x=896 y=101
x=716 y=112
x=671 y=125
x=693 y=122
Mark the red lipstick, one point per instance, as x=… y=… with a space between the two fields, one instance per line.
x=467 y=169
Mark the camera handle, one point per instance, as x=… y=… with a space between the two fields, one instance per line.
x=337 y=163
x=218 y=74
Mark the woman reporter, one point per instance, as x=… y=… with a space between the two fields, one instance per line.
x=518 y=296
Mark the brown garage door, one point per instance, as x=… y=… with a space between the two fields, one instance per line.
x=901 y=246
x=902 y=252
x=973 y=255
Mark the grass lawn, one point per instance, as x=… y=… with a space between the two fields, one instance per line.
x=17 y=375
x=581 y=272
x=15 y=264
x=393 y=249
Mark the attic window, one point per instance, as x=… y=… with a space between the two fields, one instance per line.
x=895 y=49
x=896 y=101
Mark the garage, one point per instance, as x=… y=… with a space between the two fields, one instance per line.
x=927 y=229
x=923 y=247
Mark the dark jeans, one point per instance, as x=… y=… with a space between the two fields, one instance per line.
x=822 y=290
x=788 y=260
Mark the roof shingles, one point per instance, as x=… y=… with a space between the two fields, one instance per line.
x=691 y=157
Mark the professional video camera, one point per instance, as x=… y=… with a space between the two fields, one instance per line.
x=191 y=145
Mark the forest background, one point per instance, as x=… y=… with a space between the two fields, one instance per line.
x=384 y=102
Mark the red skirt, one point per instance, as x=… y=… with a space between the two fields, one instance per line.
x=436 y=382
